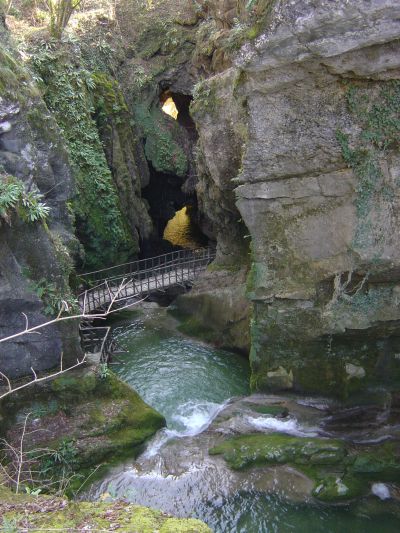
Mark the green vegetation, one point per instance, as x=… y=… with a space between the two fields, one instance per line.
x=252 y=20
x=42 y=513
x=69 y=93
x=28 y=205
x=380 y=465
x=78 y=426
x=161 y=149
x=60 y=13
x=12 y=76
x=204 y=97
x=377 y=112
x=55 y=300
x=60 y=463
x=108 y=99
x=334 y=488
x=260 y=449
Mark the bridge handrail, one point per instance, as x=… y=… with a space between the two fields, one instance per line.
x=97 y=341
x=110 y=285
x=135 y=266
x=162 y=268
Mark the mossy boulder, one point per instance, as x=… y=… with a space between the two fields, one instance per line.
x=97 y=420
x=259 y=449
x=164 y=142
x=42 y=513
x=340 y=472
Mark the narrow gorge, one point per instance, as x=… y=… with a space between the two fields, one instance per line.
x=200 y=265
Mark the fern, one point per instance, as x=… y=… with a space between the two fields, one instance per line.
x=28 y=205
x=32 y=207
x=10 y=193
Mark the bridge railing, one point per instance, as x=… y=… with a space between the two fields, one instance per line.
x=96 y=339
x=127 y=269
x=138 y=284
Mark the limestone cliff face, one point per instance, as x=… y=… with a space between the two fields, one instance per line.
x=32 y=151
x=310 y=112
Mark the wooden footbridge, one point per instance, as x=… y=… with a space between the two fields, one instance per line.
x=137 y=279
x=118 y=286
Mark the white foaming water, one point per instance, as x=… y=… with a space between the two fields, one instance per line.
x=289 y=426
x=381 y=490
x=191 y=419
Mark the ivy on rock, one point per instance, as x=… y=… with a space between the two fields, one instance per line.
x=69 y=93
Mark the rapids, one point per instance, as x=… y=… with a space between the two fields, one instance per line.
x=193 y=386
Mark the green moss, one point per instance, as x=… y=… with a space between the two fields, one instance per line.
x=70 y=387
x=12 y=76
x=334 y=488
x=376 y=109
x=205 y=99
x=69 y=91
x=258 y=449
x=100 y=421
x=161 y=148
x=339 y=472
x=381 y=463
x=262 y=10
x=193 y=327
x=62 y=515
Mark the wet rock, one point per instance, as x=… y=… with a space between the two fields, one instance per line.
x=335 y=489
x=355 y=371
x=248 y=450
x=280 y=378
x=217 y=310
x=381 y=491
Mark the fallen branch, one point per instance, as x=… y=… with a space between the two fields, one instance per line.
x=12 y=389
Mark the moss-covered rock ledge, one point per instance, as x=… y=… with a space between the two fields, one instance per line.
x=94 y=419
x=44 y=514
x=340 y=471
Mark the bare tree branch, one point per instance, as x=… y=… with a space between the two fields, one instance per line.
x=28 y=330
x=114 y=298
x=11 y=390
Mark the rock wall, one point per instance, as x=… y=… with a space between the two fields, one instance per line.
x=34 y=153
x=296 y=105
x=317 y=188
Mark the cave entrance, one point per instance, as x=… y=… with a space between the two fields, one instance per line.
x=172 y=199
x=170 y=108
x=176 y=105
x=182 y=230
x=174 y=213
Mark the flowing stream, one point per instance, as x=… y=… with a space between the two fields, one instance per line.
x=190 y=383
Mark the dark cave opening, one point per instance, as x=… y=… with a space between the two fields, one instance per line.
x=179 y=104
x=172 y=199
x=170 y=206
